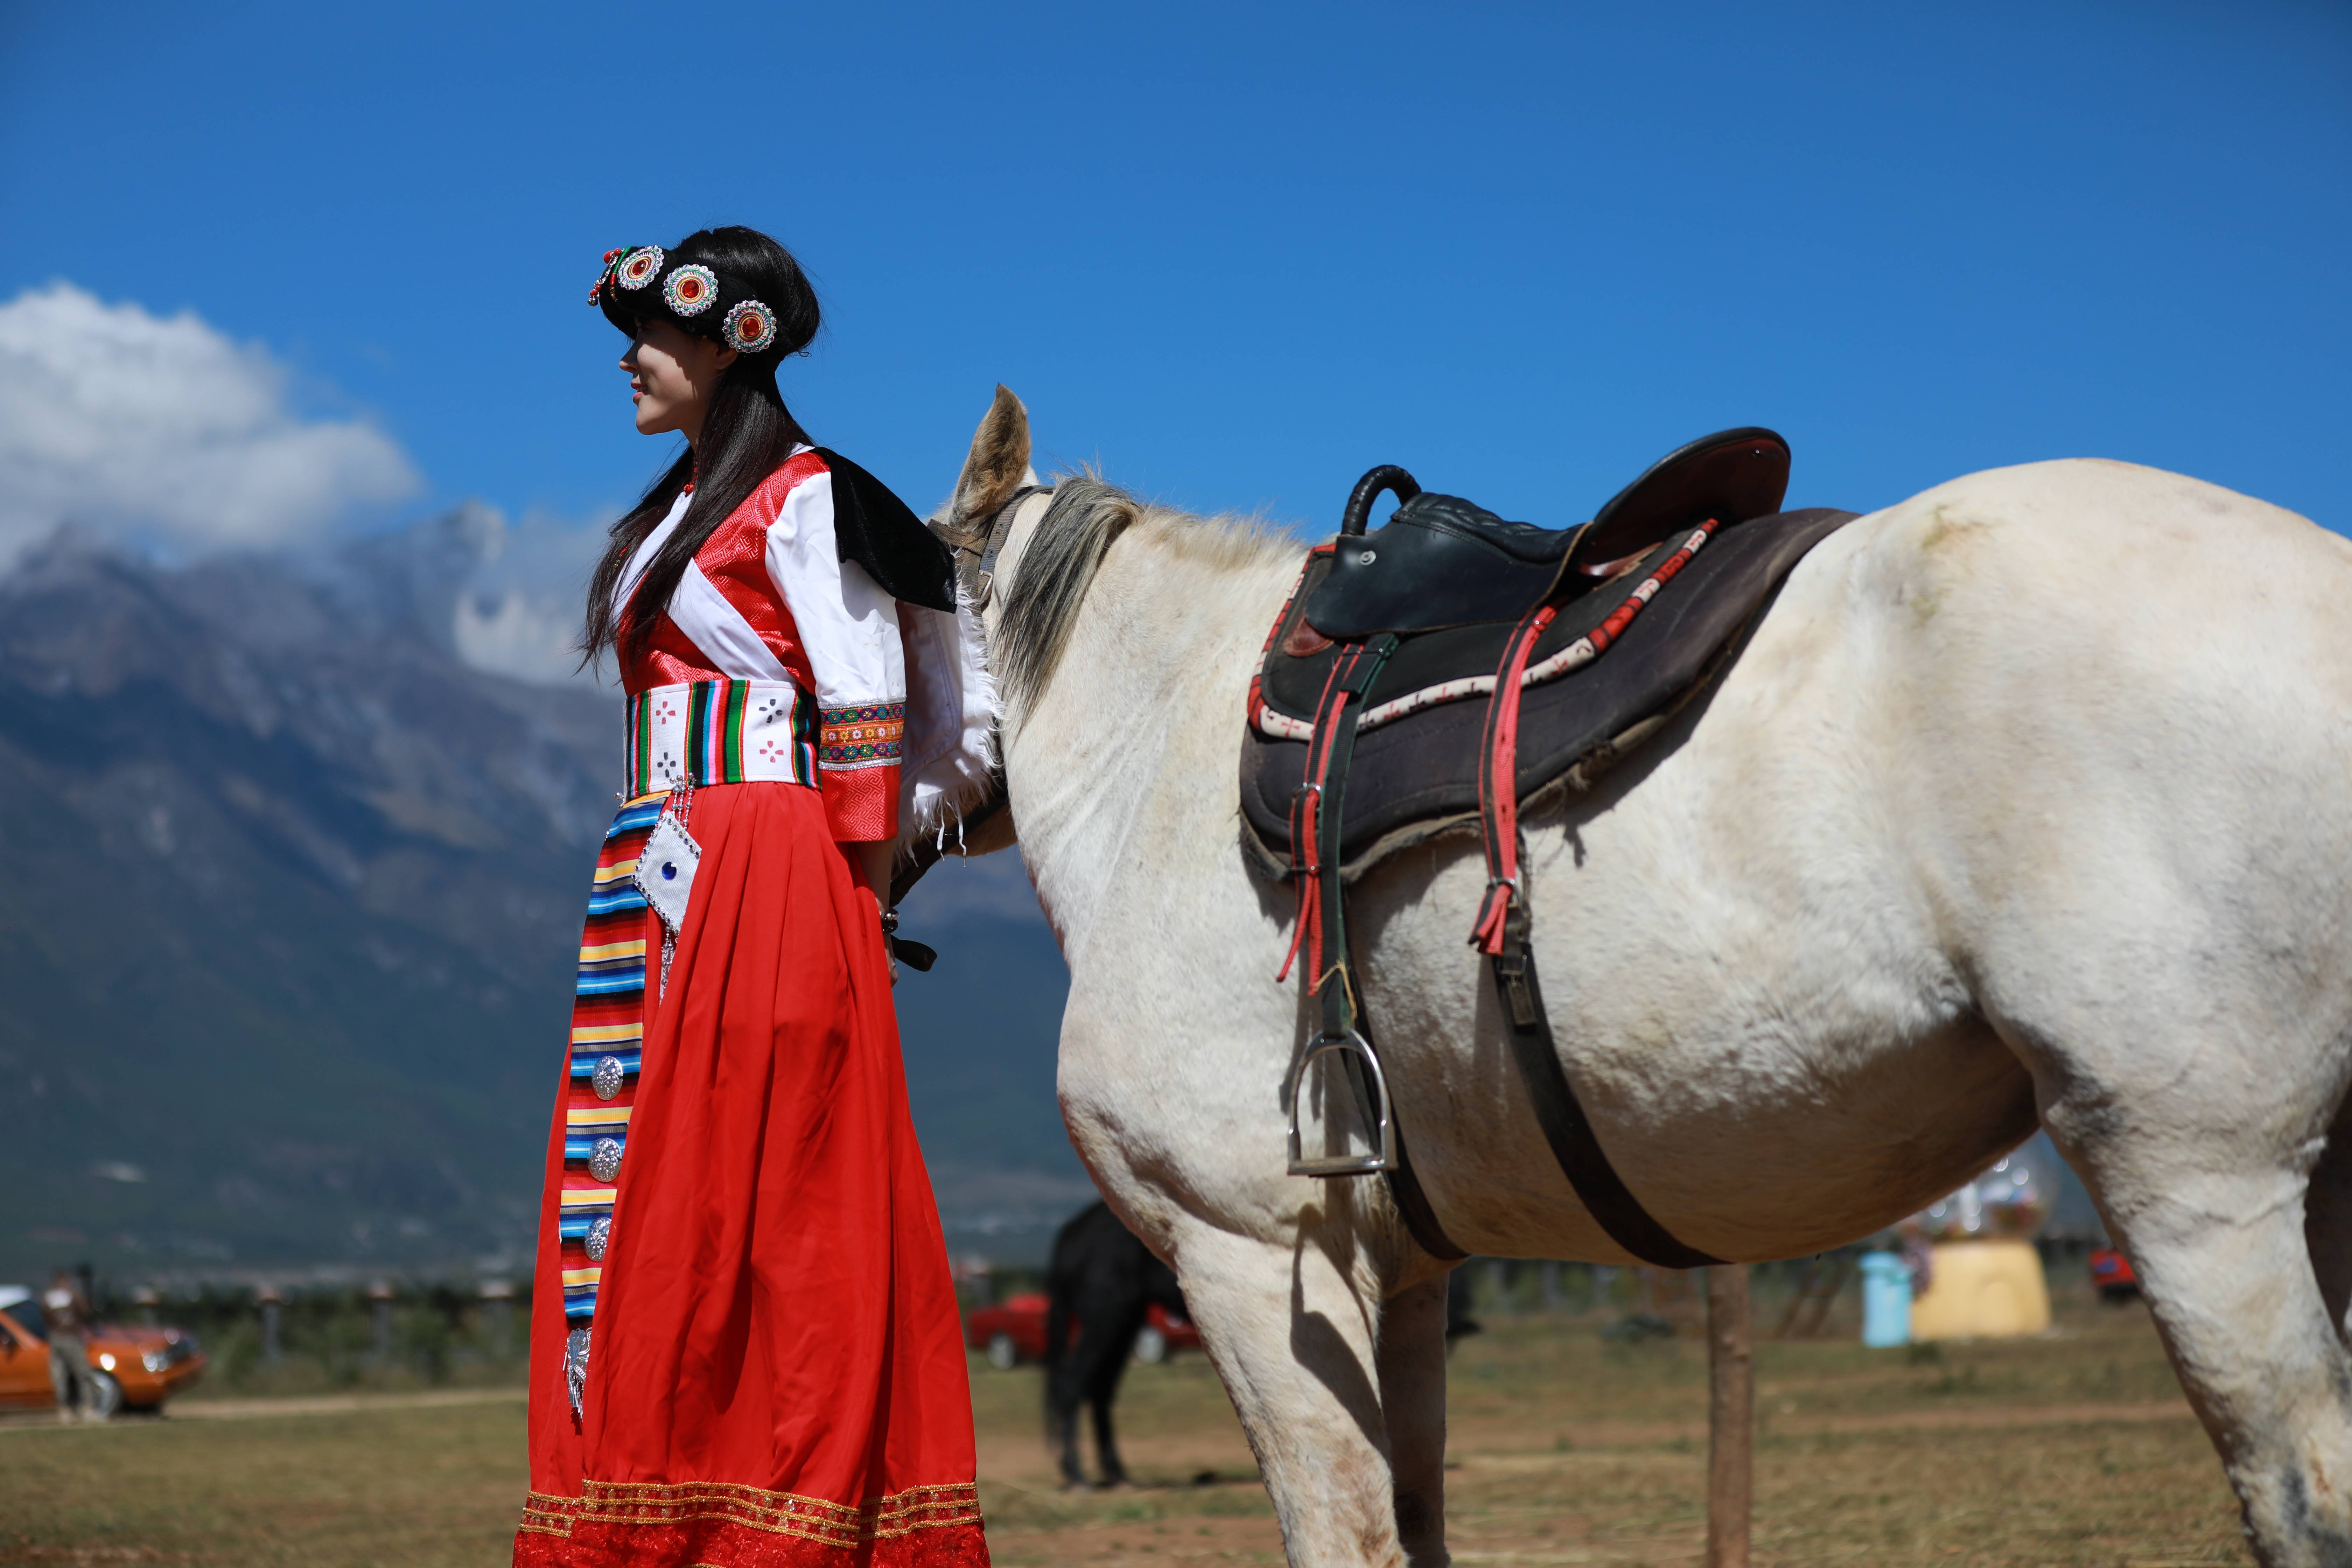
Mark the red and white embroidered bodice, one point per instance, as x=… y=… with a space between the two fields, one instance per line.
x=768 y=597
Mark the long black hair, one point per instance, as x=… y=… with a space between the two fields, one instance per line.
x=746 y=433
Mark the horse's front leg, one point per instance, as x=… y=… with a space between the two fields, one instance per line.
x=1412 y=1400
x=1292 y=1331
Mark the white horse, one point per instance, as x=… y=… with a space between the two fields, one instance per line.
x=2028 y=798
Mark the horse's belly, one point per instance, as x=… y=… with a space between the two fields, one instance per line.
x=1750 y=1159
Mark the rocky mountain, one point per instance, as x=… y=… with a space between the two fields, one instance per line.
x=288 y=920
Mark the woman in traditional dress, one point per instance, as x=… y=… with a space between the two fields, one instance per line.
x=744 y=1342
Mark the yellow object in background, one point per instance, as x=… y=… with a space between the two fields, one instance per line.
x=1983 y=1291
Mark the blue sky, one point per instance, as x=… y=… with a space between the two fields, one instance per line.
x=1237 y=255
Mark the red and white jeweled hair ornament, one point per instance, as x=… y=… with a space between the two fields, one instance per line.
x=642 y=267
x=604 y=274
x=691 y=289
x=751 y=327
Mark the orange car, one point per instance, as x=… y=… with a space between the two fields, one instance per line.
x=133 y=1367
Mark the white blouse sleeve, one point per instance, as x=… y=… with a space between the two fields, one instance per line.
x=849 y=628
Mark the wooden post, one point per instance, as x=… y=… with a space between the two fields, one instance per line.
x=1730 y=1417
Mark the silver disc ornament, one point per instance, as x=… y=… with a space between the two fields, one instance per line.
x=609 y=1076
x=605 y=1159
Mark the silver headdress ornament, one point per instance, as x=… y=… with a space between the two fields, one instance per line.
x=751 y=327
x=688 y=289
x=691 y=289
x=641 y=267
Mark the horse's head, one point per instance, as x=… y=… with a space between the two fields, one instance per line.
x=974 y=819
x=1024 y=555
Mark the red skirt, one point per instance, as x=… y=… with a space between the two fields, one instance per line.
x=776 y=1374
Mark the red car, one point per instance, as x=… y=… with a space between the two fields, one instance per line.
x=1015 y=1331
x=2111 y=1272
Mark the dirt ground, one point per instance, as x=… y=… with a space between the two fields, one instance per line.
x=1565 y=1449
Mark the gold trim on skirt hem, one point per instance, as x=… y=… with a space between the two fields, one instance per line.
x=780 y=1513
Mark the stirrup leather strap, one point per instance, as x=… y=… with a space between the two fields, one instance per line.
x=1319 y=936
x=1502 y=933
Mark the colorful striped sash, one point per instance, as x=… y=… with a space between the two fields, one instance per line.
x=721 y=732
x=700 y=732
x=608 y=1027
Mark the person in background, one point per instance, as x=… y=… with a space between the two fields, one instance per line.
x=65 y=1308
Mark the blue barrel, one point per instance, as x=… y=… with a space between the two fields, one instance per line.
x=1886 y=1300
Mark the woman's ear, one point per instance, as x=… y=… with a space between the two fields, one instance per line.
x=727 y=356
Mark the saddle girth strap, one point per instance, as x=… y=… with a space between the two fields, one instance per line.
x=1503 y=934
x=1320 y=931
x=1413 y=1206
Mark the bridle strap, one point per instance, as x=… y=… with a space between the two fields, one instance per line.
x=977 y=549
x=998 y=532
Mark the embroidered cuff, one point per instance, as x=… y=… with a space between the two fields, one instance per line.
x=857 y=764
x=861 y=805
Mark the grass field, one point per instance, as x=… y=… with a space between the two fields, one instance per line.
x=1566 y=1448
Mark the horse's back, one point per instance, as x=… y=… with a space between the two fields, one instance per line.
x=2053 y=572
x=2095 y=670
x=2029 y=666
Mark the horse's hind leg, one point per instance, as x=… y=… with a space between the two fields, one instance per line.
x=2225 y=1266
x=1291 y=1332
x=2205 y=1183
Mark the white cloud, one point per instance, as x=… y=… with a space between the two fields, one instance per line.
x=519 y=613
x=163 y=432
x=517 y=634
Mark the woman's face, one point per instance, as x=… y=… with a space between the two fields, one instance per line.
x=672 y=373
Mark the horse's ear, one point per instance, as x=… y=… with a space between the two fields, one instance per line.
x=998 y=465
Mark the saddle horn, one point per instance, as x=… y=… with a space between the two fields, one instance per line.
x=1387 y=477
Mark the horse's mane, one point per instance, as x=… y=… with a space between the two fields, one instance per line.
x=1067 y=548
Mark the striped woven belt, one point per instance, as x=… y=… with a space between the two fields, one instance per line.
x=720 y=731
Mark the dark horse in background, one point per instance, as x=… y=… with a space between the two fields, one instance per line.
x=1101 y=1280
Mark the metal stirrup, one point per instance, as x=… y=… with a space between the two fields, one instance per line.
x=1384 y=1155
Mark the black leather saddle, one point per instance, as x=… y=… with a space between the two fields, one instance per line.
x=1415 y=774
x=1451 y=580
x=1445 y=562
x=1436 y=674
